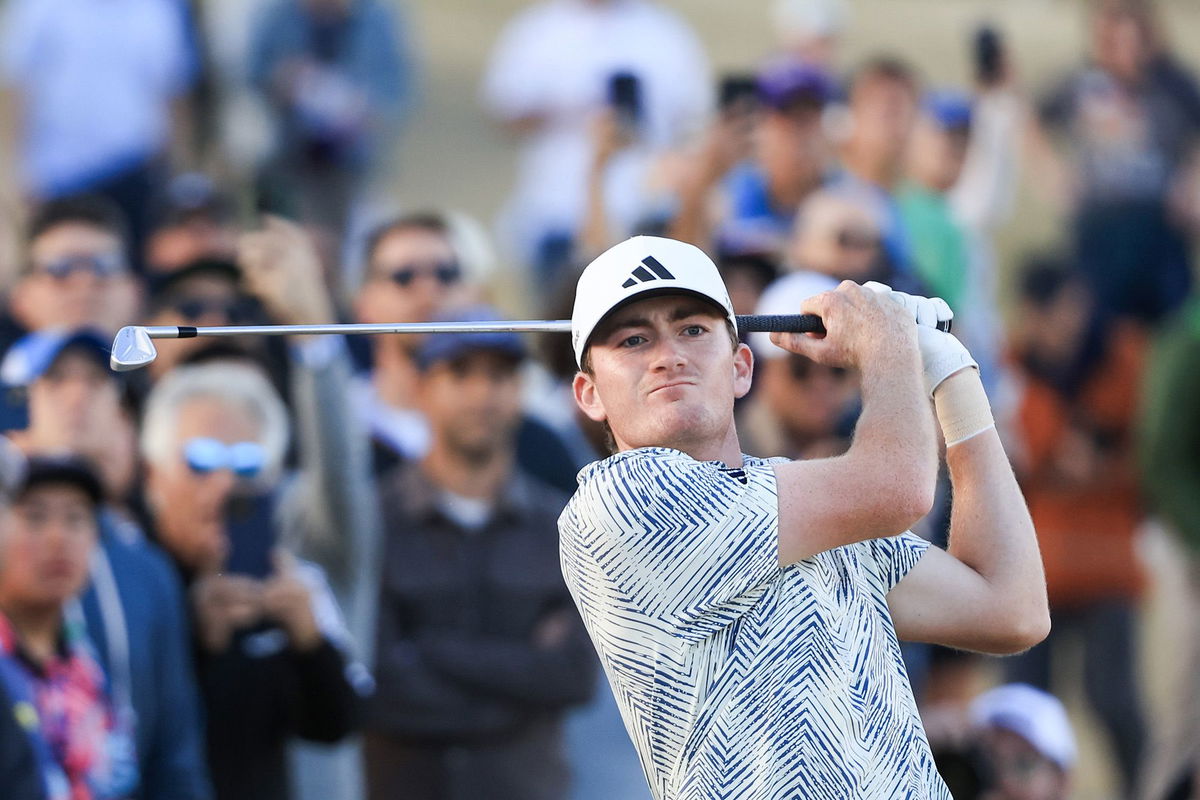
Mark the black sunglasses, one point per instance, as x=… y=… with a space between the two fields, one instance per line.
x=193 y=308
x=444 y=272
x=854 y=239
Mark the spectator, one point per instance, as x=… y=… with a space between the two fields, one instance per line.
x=198 y=222
x=479 y=650
x=339 y=76
x=836 y=233
x=746 y=275
x=882 y=110
x=134 y=607
x=83 y=746
x=1026 y=744
x=77 y=272
x=1169 y=433
x=789 y=159
x=1075 y=459
x=555 y=65
x=98 y=90
x=937 y=151
x=270 y=646
x=799 y=409
x=1131 y=120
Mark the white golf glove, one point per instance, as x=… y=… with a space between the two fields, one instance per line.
x=942 y=354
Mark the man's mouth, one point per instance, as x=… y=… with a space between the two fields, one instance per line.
x=670 y=385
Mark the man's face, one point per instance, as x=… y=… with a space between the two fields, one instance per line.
x=1021 y=772
x=883 y=110
x=837 y=238
x=806 y=398
x=412 y=275
x=189 y=504
x=74 y=406
x=46 y=545
x=78 y=278
x=664 y=374
x=791 y=145
x=202 y=301
x=936 y=155
x=473 y=403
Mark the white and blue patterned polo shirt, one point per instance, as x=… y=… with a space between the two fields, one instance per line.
x=737 y=678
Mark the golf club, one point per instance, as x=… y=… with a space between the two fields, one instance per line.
x=133 y=346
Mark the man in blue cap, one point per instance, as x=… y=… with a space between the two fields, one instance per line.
x=480 y=650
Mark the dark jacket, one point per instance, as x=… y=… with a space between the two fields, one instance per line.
x=20 y=775
x=141 y=638
x=456 y=658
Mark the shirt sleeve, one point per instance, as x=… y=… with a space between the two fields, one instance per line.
x=895 y=556
x=685 y=542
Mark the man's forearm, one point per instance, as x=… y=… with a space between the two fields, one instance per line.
x=990 y=528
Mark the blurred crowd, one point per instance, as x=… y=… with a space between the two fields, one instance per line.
x=324 y=567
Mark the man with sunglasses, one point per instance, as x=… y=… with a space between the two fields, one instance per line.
x=76 y=272
x=837 y=234
x=271 y=649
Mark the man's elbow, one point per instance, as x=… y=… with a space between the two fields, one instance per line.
x=1020 y=633
x=908 y=504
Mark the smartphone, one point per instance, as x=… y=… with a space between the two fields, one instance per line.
x=737 y=93
x=988 y=55
x=625 y=97
x=250 y=526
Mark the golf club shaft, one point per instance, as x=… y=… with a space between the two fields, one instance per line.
x=793 y=323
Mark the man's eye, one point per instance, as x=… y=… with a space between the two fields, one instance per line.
x=633 y=341
x=694 y=330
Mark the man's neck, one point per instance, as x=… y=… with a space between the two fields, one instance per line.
x=476 y=478
x=37 y=628
x=394 y=375
x=725 y=449
x=873 y=168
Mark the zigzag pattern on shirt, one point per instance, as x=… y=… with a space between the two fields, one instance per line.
x=736 y=678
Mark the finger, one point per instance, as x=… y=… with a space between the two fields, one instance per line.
x=944 y=312
x=283 y=561
x=877 y=287
x=926 y=312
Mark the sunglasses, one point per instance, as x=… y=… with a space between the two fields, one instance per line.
x=444 y=272
x=205 y=455
x=102 y=265
x=801 y=369
x=851 y=239
x=196 y=307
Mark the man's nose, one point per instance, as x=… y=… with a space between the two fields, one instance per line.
x=668 y=353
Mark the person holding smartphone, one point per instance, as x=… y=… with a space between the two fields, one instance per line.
x=271 y=649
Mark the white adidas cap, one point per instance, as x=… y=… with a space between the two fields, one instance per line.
x=641 y=267
x=1037 y=717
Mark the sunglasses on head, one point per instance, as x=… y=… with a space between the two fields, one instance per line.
x=102 y=265
x=802 y=368
x=854 y=239
x=205 y=455
x=193 y=308
x=444 y=272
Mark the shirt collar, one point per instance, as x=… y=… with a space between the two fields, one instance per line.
x=419 y=495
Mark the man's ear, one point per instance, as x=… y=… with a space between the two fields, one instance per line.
x=743 y=370
x=588 y=398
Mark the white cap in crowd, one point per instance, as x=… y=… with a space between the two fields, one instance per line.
x=784 y=296
x=641 y=267
x=1037 y=717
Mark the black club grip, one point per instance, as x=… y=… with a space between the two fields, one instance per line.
x=792 y=323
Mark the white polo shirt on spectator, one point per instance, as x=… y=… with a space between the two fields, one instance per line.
x=95 y=80
x=554 y=61
x=736 y=677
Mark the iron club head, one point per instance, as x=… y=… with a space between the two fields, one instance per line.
x=132 y=348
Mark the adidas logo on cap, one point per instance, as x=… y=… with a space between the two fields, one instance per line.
x=642 y=274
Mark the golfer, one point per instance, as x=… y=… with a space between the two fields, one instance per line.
x=748 y=611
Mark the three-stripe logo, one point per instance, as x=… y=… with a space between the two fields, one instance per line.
x=650 y=270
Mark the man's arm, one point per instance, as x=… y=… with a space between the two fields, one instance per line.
x=988 y=591
x=884 y=484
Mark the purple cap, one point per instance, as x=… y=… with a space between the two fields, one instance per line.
x=950 y=108
x=785 y=84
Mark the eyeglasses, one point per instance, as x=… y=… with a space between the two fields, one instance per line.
x=444 y=272
x=205 y=455
x=193 y=308
x=854 y=239
x=801 y=369
x=102 y=265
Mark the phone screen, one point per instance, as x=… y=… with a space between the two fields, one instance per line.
x=250 y=526
x=625 y=96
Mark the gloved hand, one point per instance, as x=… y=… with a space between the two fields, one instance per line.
x=942 y=354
